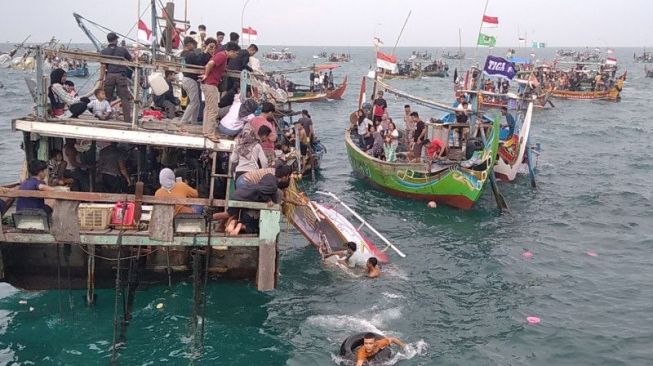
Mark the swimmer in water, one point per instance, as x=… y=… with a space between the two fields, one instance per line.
x=373 y=270
x=371 y=347
x=344 y=255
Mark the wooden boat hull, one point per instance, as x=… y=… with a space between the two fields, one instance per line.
x=456 y=186
x=613 y=94
x=540 y=103
x=436 y=74
x=510 y=159
x=308 y=97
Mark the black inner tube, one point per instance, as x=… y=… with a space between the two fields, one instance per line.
x=350 y=346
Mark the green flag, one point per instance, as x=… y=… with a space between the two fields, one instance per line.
x=485 y=40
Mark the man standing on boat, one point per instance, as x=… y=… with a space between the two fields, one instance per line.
x=380 y=105
x=117 y=77
x=418 y=139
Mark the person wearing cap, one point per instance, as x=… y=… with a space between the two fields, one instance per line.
x=117 y=77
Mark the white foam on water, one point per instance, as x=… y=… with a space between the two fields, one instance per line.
x=411 y=350
x=390 y=295
x=343 y=323
x=385 y=315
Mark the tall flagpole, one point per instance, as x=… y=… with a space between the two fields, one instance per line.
x=242 y=24
x=480 y=28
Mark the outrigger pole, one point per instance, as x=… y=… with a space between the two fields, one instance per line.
x=363 y=222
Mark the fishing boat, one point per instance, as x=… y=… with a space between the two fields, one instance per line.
x=649 y=72
x=405 y=70
x=420 y=56
x=565 y=53
x=81 y=71
x=457 y=179
x=436 y=69
x=305 y=96
x=317 y=91
x=279 y=56
x=340 y=57
x=645 y=57
x=328 y=230
x=584 y=80
x=460 y=54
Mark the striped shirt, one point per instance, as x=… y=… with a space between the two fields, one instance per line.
x=99 y=107
x=255 y=176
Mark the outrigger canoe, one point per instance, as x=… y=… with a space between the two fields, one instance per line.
x=451 y=184
x=305 y=97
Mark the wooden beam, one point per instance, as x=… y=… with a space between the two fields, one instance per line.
x=65 y=224
x=133 y=238
x=161 y=224
x=266 y=270
x=115 y=197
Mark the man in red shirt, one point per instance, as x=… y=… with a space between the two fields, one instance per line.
x=213 y=73
x=433 y=148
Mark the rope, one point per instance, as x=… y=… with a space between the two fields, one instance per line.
x=118 y=285
x=123 y=258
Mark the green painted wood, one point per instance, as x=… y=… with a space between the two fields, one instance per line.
x=127 y=239
x=269 y=225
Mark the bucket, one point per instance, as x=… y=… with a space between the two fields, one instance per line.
x=117 y=213
x=158 y=84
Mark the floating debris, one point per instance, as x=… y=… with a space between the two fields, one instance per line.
x=533 y=320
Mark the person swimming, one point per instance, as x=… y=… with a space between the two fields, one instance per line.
x=372 y=346
x=344 y=255
x=372 y=265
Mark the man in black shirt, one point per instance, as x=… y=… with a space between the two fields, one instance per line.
x=418 y=139
x=240 y=63
x=117 y=77
x=189 y=82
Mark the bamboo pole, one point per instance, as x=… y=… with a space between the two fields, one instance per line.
x=480 y=28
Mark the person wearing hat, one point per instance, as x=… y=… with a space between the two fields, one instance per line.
x=117 y=77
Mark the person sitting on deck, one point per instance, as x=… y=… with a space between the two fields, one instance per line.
x=372 y=266
x=389 y=151
x=167 y=101
x=57 y=169
x=281 y=173
x=510 y=124
x=60 y=98
x=377 y=143
x=371 y=347
x=231 y=124
x=240 y=219
x=171 y=187
x=343 y=255
x=100 y=106
x=248 y=154
x=75 y=169
x=368 y=139
x=69 y=87
x=38 y=170
x=112 y=169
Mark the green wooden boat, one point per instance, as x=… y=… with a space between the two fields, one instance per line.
x=448 y=183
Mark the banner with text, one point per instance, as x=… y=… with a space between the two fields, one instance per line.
x=498 y=66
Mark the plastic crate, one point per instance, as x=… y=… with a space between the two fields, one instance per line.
x=94 y=218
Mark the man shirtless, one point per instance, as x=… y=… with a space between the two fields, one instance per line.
x=372 y=265
x=371 y=347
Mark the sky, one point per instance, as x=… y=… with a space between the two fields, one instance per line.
x=435 y=23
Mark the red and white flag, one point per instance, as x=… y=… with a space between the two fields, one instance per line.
x=610 y=51
x=144 y=33
x=611 y=61
x=250 y=35
x=385 y=61
x=490 y=22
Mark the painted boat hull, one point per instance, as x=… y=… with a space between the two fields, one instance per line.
x=456 y=186
x=509 y=161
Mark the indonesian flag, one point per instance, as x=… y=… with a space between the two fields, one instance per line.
x=362 y=96
x=250 y=35
x=490 y=22
x=611 y=61
x=384 y=61
x=144 y=33
x=610 y=51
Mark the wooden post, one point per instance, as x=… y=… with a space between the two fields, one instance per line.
x=266 y=272
x=161 y=223
x=90 y=276
x=65 y=224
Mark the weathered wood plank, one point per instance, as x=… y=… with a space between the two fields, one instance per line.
x=161 y=223
x=129 y=238
x=65 y=224
x=267 y=260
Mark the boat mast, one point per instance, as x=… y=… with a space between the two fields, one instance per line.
x=95 y=41
x=155 y=37
x=480 y=28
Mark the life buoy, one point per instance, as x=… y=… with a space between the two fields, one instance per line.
x=350 y=346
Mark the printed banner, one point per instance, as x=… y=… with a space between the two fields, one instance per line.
x=498 y=66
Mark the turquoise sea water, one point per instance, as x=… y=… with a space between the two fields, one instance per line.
x=462 y=295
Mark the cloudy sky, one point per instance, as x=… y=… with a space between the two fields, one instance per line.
x=354 y=22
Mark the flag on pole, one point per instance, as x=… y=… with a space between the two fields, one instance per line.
x=485 y=40
x=490 y=22
x=144 y=33
x=361 y=95
x=249 y=35
x=385 y=61
x=611 y=61
x=377 y=42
